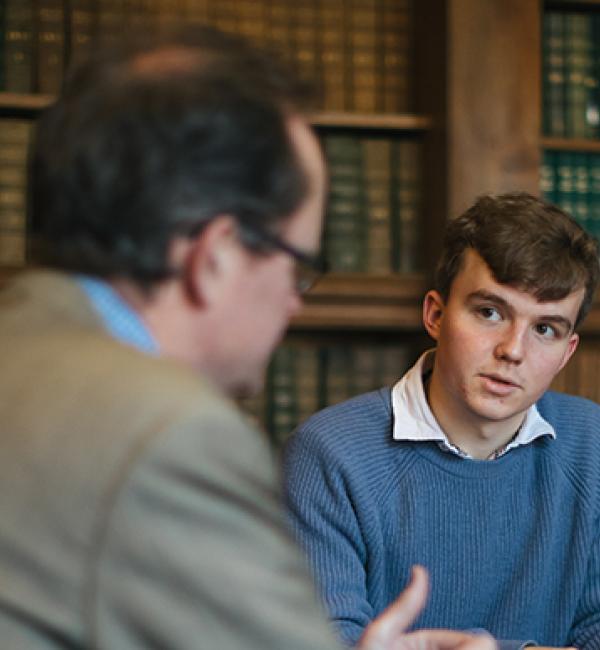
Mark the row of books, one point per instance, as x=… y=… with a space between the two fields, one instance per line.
x=572 y=181
x=571 y=74
x=357 y=52
x=373 y=214
x=304 y=377
x=14 y=139
x=373 y=220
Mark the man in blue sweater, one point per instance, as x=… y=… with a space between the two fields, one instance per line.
x=467 y=465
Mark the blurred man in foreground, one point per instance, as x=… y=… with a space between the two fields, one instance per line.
x=179 y=195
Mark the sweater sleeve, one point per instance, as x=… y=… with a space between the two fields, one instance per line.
x=324 y=521
x=585 y=633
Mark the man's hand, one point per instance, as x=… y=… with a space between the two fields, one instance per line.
x=387 y=631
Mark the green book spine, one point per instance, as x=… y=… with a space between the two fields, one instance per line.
x=566 y=181
x=393 y=362
x=548 y=180
x=307 y=369
x=282 y=414
x=406 y=205
x=345 y=245
x=581 y=180
x=339 y=384
x=594 y=174
x=579 y=70
x=553 y=61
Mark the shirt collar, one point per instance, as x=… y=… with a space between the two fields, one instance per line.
x=414 y=421
x=120 y=320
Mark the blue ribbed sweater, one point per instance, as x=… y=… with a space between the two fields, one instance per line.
x=511 y=545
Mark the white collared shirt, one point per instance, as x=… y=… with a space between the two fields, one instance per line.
x=414 y=421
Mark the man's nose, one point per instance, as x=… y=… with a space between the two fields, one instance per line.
x=512 y=345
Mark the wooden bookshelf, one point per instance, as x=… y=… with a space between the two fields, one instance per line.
x=391 y=122
x=571 y=144
x=17 y=104
x=23 y=105
x=475 y=98
x=351 y=301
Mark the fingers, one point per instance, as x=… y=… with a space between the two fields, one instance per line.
x=399 y=615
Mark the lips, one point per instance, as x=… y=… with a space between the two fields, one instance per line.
x=499 y=384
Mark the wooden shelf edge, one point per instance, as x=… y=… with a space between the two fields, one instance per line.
x=397 y=122
x=25 y=103
x=570 y=144
x=353 y=301
x=361 y=287
x=33 y=103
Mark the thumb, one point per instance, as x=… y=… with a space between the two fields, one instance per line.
x=400 y=614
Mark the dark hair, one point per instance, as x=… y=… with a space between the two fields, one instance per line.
x=528 y=244
x=152 y=140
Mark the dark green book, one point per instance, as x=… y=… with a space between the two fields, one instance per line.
x=553 y=74
x=346 y=221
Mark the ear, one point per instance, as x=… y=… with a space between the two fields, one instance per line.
x=571 y=347
x=433 y=311
x=210 y=260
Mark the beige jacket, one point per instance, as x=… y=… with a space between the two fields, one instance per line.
x=137 y=507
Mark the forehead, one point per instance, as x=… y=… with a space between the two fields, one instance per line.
x=475 y=278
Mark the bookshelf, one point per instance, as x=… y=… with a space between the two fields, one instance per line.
x=459 y=83
x=570 y=146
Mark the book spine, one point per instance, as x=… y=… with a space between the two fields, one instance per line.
x=553 y=74
x=18 y=46
x=548 y=178
x=50 y=46
x=406 y=205
x=345 y=222
x=305 y=40
x=361 y=56
x=83 y=21
x=377 y=178
x=282 y=414
x=578 y=44
x=397 y=63
x=581 y=189
x=14 y=143
x=332 y=53
x=594 y=175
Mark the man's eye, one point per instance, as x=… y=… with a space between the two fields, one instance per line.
x=547 y=331
x=489 y=313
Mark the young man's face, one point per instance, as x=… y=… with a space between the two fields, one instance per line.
x=498 y=349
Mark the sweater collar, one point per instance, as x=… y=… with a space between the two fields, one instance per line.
x=414 y=421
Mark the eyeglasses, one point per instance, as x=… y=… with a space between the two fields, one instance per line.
x=308 y=268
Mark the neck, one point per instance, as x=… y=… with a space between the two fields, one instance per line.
x=161 y=311
x=477 y=437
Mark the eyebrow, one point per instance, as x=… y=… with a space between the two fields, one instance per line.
x=488 y=296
